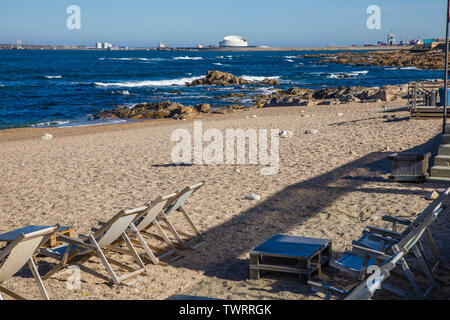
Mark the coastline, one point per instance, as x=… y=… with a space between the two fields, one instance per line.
x=224 y=49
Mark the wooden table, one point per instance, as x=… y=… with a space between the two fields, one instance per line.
x=411 y=167
x=290 y=254
x=11 y=235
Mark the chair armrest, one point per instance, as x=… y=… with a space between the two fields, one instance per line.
x=375 y=254
x=83 y=237
x=376 y=237
x=392 y=219
x=384 y=232
x=75 y=242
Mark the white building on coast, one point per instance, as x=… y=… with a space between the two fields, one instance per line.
x=233 y=41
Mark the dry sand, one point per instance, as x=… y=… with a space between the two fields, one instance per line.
x=330 y=185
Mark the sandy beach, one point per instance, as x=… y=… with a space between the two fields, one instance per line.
x=331 y=185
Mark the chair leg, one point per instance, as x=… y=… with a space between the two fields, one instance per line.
x=142 y=242
x=437 y=258
x=163 y=234
x=133 y=250
x=55 y=269
x=11 y=293
x=38 y=279
x=105 y=262
x=411 y=278
x=174 y=232
x=189 y=220
x=425 y=267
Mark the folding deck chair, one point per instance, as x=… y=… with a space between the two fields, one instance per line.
x=78 y=251
x=175 y=203
x=382 y=239
x=364 y=289
x=20 y=252
x=361 y=258
x=139 y=230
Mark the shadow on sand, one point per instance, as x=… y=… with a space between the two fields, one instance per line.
x=292 y=206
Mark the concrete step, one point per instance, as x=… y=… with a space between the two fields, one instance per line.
x=444 y=150
x=439 y=180
x=440 y=172
x=446 y=139
x=442 y=161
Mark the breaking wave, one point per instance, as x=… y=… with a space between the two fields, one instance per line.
x=148 y=83
x=188 y=58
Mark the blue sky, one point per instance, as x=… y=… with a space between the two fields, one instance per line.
x=188 y=22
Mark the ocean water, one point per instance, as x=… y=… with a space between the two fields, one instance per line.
x=64 y=88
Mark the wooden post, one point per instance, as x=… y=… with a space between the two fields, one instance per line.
x=446 y=68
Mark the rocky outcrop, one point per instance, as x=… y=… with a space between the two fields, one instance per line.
x=293 y=96
x=428 y=59
x=325 y=96
x=219 y=78
x=155 y=110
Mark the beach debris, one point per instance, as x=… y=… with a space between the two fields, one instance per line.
x=124 y=92
x=353 y=153
x=311 y=131
x=254 y=116
x=386 y=148
x=340 y=114
x=432 y=196
x=286 y=134
x=252 y=196
x=47 y=137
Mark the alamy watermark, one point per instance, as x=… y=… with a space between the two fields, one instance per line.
x=73 y=22
x=374 y=280
x=374 y=20
x=229 y=148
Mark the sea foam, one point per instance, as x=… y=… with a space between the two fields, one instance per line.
x=254 y=78
x=148 y=83
x=188 y=58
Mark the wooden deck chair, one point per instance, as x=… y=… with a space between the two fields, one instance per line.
x=97 y=244
x=20 y=252
x=366 y=289
x=382 y=239
x=400 y=250
x=139 y=230
x=361 y=259
x=175 y=203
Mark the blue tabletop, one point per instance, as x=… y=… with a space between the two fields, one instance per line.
x=290 y=246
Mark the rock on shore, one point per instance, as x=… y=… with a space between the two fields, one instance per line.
x=219 y=78
x=155 y=110
x=305 y=97
x=166 y=109
x=424 y=59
